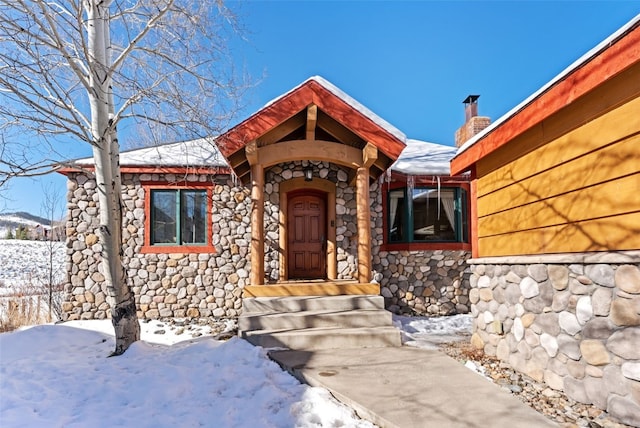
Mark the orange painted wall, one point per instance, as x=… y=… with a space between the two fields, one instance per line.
x=578 y=192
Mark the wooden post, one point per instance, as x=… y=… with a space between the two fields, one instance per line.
x=363 y=217
x=257 y=224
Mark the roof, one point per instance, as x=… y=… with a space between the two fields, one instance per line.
x=200 y=152
x=415 y=158
x=606 y=60
x=350 y=101
x=423 y=158
x=320 y=92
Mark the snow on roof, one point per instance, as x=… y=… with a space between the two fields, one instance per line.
x=200 y=152
x=564 y=73
x=351 y=102
x=417 y=158
x=423 y=158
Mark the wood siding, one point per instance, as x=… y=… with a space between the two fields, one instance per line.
x=579 y=192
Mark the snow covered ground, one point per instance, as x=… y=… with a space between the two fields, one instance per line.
x=60 y=376
x=26 y=263
x=429 y=332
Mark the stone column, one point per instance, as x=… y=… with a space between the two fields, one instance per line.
x=363 y=217
x=257 y=224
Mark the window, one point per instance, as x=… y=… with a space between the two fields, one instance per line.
x=426 y=214
x=178 y=217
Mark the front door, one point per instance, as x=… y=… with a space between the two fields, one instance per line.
x=306 y=236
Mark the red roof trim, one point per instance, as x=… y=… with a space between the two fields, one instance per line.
x=611 y=61
x=153 y=170
x=311 y=92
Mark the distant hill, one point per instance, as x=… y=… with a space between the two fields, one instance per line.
x=22 y=216
x=11 y=221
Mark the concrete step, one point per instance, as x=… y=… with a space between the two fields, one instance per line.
x=325 y=338
x=310 y=303
x=315 y=319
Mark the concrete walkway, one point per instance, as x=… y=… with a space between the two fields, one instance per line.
x=406 y=387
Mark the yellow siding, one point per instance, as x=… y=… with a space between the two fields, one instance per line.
x=609 y=233
x=580 y=192
x=615 y=197
x=613 y=126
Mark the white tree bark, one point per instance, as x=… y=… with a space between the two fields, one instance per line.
x=107 y=171
x=62 y=74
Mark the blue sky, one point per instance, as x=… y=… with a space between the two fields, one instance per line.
x=411 y=62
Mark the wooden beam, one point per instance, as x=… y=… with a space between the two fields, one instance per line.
x=285 y=128
x=382 y=163
x=242 y=169
x=312 y=119
x=336 y=130
x=369 y=155
x=319 y=150
x=363 y=218
x=251 y=151
x=237 y=158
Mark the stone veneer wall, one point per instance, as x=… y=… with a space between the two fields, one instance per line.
x=201 y=285
x=434 y=282
x=571 y=323
x=165 y=285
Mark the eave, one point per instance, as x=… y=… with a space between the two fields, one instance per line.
x=619 y=55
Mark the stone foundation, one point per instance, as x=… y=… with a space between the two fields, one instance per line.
x=423 y=282
x=572 y=321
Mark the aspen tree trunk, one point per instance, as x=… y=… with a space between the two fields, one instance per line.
x=106 y=155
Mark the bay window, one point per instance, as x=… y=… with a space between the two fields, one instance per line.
x=427 y=214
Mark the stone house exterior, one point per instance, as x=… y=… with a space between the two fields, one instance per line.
x=314 y=193
x=556 y=230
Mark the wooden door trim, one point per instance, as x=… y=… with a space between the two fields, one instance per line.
x=317 y=184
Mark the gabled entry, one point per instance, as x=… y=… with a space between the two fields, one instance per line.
x=315 y=122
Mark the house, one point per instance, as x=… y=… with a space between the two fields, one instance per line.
x=555 y=235
x=314 y=194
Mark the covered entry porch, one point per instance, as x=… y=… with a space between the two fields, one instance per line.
x=309 y=158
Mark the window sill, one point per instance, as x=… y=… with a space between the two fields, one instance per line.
x=178 y=249
x=425 y=246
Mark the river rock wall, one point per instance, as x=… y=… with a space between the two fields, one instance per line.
x=573 y=325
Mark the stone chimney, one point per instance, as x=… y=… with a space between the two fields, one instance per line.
x=473 y=123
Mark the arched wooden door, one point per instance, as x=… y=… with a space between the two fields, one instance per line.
x=307 y=236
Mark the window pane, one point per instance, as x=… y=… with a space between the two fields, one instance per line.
x=434 y=215
x=193 y=216
x=397 y=216
x=163 y=217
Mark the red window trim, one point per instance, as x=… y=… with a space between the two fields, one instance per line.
x=147 y=248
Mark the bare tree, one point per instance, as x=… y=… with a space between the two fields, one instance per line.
x=73 y=70
x=52 y=209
